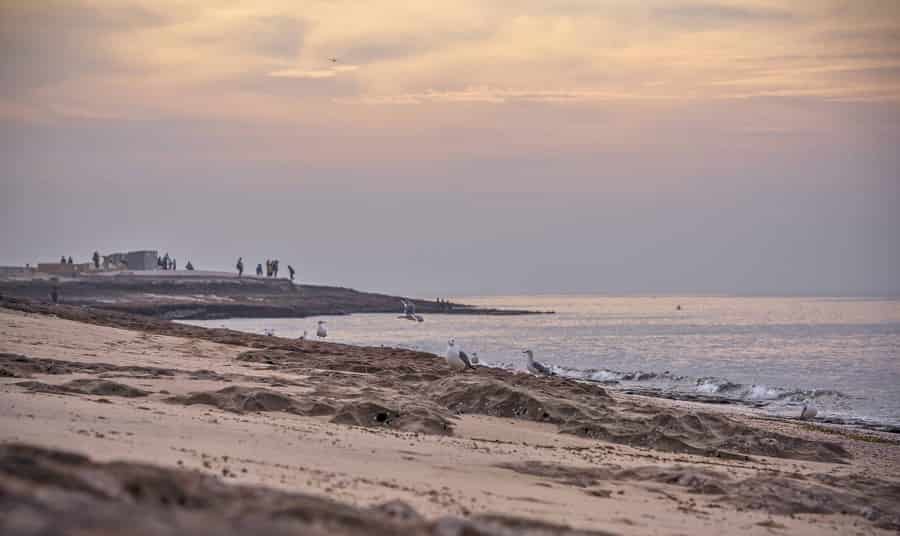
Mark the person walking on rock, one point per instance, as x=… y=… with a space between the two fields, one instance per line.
x=240 y=266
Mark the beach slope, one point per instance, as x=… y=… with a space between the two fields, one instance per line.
x=110 y=420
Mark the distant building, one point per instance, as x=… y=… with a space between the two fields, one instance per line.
x=142 y=260
x=133 y=260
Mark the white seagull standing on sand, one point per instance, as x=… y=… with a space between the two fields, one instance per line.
x=321 y=331
x=457 y=359
x=536 y=367
x=808 y=412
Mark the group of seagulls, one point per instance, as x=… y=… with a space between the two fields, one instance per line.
x=457 y=359
x=321 y=331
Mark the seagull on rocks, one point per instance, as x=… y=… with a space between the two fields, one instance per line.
x=536 y=367
x=808 y=412
x=321 y=331
x=457 y=359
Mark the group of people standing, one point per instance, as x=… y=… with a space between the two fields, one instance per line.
x=271 y=268
x=443 y=304
x=166 y=263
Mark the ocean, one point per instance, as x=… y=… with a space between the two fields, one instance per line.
x=770 y=354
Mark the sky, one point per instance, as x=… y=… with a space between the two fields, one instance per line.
x=465 y=147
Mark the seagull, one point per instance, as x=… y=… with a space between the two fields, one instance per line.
x=409 y=311
x=536 y=367
x=455 y=358
x=332 y=60
x=808 y=412
x=321 y=331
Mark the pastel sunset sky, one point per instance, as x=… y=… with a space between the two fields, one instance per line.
x=745 y=146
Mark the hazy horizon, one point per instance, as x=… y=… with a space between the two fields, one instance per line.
x=739 y=147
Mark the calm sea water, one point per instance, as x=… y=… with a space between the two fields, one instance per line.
x=770 y=353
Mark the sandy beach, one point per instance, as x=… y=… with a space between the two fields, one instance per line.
x=178 y=428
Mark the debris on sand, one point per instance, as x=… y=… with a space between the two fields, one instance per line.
x=411 y=418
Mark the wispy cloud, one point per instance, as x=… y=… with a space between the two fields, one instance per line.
x=139 y=55
x=503 y=95
x=330 y=72
x=713 y=15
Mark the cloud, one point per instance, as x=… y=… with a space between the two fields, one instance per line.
x=45 y=42
x=313 y=74
x=277 y=37
x=879 y=38
x=143 y=58
x=501 y=95
x=703 y=15
x=378 y=48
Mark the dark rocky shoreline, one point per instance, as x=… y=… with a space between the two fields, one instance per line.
x=198 y=297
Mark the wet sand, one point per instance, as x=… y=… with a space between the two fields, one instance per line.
x=216 y=431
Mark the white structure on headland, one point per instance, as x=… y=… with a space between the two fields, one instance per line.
x=142 y=260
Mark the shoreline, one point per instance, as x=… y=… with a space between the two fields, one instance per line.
x=367 y=426
x=644 y=382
